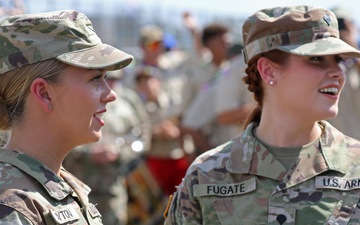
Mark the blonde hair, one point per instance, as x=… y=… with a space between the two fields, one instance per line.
x=15 y=87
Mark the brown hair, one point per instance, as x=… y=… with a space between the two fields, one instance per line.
x=211 y=31
x=254 y=81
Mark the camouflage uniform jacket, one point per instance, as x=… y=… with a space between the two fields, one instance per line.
x=30 y=193
x=241 y=182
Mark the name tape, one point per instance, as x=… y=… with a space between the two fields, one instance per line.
x=64 y=215
x=224 y=189
x=339 y=183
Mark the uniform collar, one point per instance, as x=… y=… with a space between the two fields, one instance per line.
x=327 y=154
x=333 y=147
x=56 y=187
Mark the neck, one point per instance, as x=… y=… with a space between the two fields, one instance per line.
x=46 y=150
x=286 y=133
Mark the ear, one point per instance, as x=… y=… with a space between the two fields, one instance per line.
x=267 y=70
x=40 y=91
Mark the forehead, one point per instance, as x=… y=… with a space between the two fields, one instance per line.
x=78 y=72
x=301 y=62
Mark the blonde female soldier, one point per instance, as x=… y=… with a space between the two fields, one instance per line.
x=53 y=94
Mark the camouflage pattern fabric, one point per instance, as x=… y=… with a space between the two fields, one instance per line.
x=3 y=137
x=241 y=182
x=300 y=30
x=66 y=35
x=30 y=193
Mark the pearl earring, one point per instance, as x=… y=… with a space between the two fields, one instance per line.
x=271 y=82
x=50 y=108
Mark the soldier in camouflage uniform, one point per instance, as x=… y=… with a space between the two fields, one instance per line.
x=289 y=166
x=53 y=93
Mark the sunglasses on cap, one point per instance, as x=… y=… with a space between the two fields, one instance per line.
x=155 y=45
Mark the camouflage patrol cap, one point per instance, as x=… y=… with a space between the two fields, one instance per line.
x=66 y=35
x=300 y=30
x=150 y=34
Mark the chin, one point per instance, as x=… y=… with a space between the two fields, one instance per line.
x=325 y=113
x=98 y=136
x=331 y=114
x=95 y=137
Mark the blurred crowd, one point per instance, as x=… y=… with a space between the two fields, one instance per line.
x=172 y=106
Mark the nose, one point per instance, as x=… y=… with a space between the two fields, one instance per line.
x=109 y=94
x=336 y=71
x=112 y=95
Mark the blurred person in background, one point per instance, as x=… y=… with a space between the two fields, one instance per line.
x=347 y=119
x=167 y=158
x=192 y=25
x=113 y=166
x=158 y=48
x=233 y=101
x=172 y=58
x=11 y=7
x=198 y=118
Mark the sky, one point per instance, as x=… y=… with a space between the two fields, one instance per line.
x=238 y=7
x=247 y=7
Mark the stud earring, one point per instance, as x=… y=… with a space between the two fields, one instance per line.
x=271 y=82
x=50 y=108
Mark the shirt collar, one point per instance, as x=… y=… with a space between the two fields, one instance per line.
x=55 y=186
x=328 y=154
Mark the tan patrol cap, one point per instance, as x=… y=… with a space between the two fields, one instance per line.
x=300 y=30
x=66 y=35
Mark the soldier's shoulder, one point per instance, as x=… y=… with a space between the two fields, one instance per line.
x=213 y=159
x=11 y=176
x=9 y=215
x=352 y=143
x=335 y=138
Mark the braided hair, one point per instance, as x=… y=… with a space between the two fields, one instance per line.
x=255 y=83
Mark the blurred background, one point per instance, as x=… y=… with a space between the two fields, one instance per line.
x=137 y=182
x=118 y=21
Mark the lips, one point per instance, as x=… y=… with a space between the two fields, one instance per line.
x=98 y=116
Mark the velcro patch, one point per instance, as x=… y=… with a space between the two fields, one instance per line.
x=94 y=212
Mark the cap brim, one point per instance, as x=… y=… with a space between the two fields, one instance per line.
x=101 y=56
x=325 y=46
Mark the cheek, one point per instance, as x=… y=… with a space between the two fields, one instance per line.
x=343 y=80
x=296 y=88
x=83 y=100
